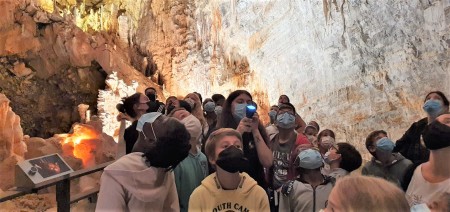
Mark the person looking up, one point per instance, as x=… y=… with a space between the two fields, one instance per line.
x=150 y=92
x=311 y=131
x=342 y=158
x=300 y=124
x=143 y=181
x=271 y=129
x=410 y=144
x=194 y=168
x=310 y=191
x=326 y=139
x=131 y=109
x=386 y=164
x=252 y=131
x=284 y=149
x=432 y=178
x=219 y=100
x=228 y=189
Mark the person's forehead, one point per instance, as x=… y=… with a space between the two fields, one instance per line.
x=434 y=96
x=285 y=110
x=243 y=97
x=229 y=139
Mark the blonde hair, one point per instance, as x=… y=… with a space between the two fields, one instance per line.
x=363 y=193
x=197 y=111
x=210 y=146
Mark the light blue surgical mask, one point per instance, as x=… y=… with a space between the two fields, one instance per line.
x=286 y=121
x=433 y=107
x=209 y=107
x=147 y=118
x=272 y=115
x=218 y=110
x=385 y=144
x=420 y=208
x=239 y=111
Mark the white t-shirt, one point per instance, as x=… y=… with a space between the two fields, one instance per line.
x=421 y=191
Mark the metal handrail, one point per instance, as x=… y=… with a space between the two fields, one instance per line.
x=62 y=187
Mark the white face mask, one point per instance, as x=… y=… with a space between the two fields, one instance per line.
x=147 y=118
x=327 y=142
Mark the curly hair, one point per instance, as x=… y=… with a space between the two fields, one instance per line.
x=350 y=157
x=171 y=147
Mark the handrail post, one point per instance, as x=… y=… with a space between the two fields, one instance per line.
x=63 y=195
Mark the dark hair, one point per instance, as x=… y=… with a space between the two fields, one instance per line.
x=127 y=105
x=315 y=124
x=323 y=132
x=217 y=97
x=372 y=135
x=444 y=99
x=226 y=119
x=170 y=148
x=350 y=157
x=287 y=97
x=149 y=88
x=185 y=105
x=287 y=105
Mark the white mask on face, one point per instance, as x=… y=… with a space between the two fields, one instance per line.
x=147 y=118
x=326 y=142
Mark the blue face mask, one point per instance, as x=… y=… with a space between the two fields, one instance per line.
x=272 y=115
x=433 y=107
x=385 y=144
x=239 y=111
x=209 y=107
x=286 y=120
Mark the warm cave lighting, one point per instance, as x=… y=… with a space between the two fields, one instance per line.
x=83 y=140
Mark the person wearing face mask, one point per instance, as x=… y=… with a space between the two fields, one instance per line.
x=195 y=102
x=194 y=168
x=432 y=178
x=284 y=149
x=271 y=129
x=228 y=189
x=299 y=122
x=326 y=139
x=150 y=92
x=386 y=164
x=131 y=109
x=342 y=158
x=311 y=131
x=211 y=118
x=311 y=190
x=410 y=144
x=254 y=135
x=143 y=181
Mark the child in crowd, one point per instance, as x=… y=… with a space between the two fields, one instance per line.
x=227 y=189
x=342 y=158
x=194 y=168
x=143 y=181
x=385 y=164
x=311 y=131
x=309 y=192
x=432 y=178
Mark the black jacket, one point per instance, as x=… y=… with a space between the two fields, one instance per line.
x=410 y=146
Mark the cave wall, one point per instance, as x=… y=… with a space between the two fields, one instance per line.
x=354 y=66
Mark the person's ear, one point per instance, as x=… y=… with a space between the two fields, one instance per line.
x=372 y=149
x=339 y=157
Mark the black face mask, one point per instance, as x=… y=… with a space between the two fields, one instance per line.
x=232 y=160
x=151 y=96
x=436 y=136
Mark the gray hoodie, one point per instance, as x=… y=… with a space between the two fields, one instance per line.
x=394 y=172
x=130 y=185
x=299 y=196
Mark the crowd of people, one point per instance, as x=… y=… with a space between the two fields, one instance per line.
x=190 y=154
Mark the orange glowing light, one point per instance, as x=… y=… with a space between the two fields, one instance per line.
x=83 y=142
